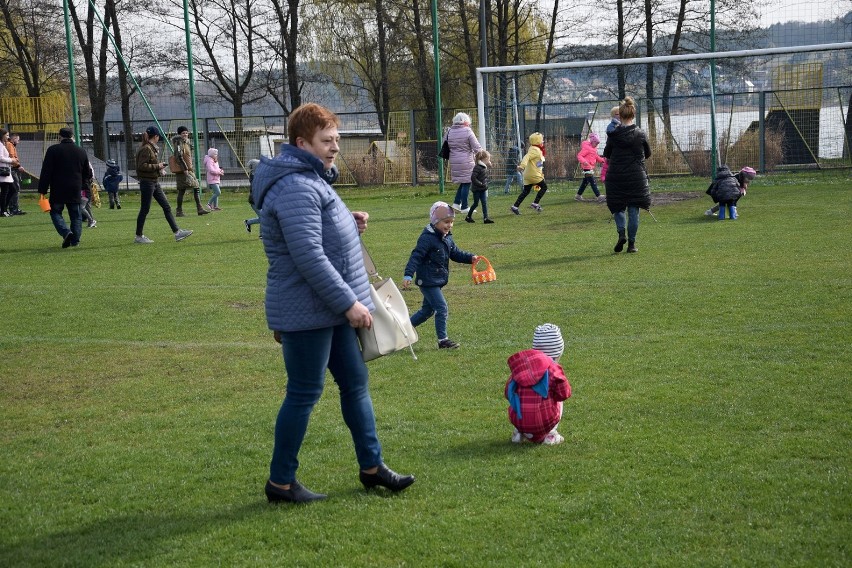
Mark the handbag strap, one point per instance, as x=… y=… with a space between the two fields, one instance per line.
x=372 y=272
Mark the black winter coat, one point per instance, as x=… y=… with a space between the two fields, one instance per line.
x=63 y=171
x=479 y=178
x=627 y=179
x=725 y=188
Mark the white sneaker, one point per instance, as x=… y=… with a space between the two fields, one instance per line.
x=516 y=437
x=553 y=438
x=142 y=240
x=182 y=234
x=456 y=206
x=465 y=210
x=578 y=197
x=93 y=224
x=709 y=213
x=601 y=198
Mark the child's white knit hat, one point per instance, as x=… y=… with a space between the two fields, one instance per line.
x=548 y=339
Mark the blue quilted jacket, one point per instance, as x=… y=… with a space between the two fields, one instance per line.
x=316 y=268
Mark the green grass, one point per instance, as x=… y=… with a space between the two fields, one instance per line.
x=709 y=423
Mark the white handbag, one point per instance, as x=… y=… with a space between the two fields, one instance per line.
x=392 y=330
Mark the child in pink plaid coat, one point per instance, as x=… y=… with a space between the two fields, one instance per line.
x=537 y=387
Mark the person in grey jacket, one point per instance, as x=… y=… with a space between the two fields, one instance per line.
x=627 y=185
x=317 y=295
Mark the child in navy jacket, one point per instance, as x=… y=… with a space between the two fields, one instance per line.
x=429 y=267
x=112 y=178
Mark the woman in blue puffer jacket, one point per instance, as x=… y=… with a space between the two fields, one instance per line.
x=317 y=295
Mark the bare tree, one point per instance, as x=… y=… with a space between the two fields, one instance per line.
x=32 y=49
x=93 y=42
x=287 y=19
x=228 y=34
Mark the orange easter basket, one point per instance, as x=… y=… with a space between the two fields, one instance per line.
x=44 y=203
x=483 y=276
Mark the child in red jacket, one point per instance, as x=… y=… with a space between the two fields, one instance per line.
x=537 y=387
x=589 y=159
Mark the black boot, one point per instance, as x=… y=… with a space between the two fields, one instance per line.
x=201 y=210
x=619 y=246
x=631 y=247
x=180 y=194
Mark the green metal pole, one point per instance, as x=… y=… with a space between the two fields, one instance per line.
x=126 y=66
x=439 y=119
x=191 y=89
x=72 y=77
x=713 y=144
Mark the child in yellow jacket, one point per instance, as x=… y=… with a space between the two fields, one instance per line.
x=532 y=166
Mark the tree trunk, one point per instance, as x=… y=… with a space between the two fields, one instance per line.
x=384 y=96
x=547 y=57
x=427 y=90
x=667 y=83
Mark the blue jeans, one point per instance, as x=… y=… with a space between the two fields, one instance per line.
x=307 y=355
x=74 y=213
x=511 y=178
x=461 y=194
x=256 y=219
x=632 y=222
x=433 y=303
x=214 y=199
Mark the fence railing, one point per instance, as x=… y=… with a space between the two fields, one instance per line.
x=759 y=129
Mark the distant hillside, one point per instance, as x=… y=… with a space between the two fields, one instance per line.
x=805 y=33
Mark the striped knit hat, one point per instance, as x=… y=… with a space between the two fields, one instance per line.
x=548 y=339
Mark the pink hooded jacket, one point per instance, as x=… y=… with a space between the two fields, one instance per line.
x=214 y=170
x=588 y=156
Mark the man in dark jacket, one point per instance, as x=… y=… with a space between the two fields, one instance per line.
x=65 y=168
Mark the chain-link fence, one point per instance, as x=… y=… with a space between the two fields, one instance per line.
x=769 y=130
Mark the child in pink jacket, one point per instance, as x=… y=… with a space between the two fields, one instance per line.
x=589 y=158
x=214 y=176
x=537 y=387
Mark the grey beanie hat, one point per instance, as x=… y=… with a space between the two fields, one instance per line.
x=548 y=339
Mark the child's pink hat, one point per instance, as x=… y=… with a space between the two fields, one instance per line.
x=440 y=211
x=748 y=172
x=594 y=139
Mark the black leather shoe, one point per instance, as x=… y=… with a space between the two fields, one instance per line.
x=386 y=477
x=297 y=493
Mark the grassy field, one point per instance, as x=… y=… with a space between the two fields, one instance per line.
x=709 y=425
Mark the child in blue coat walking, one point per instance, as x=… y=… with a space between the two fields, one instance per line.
x=112 y=179
x=429 y=267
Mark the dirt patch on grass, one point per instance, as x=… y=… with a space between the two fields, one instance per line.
x=674 y=196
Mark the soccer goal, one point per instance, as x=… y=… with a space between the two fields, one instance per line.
x=766 y=108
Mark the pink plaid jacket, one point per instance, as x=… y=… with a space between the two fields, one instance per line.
x=538 y=415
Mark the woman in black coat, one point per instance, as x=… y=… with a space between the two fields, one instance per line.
x=627 y=186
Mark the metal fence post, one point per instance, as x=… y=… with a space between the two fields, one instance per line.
x=413 y=140
x=761 y=121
